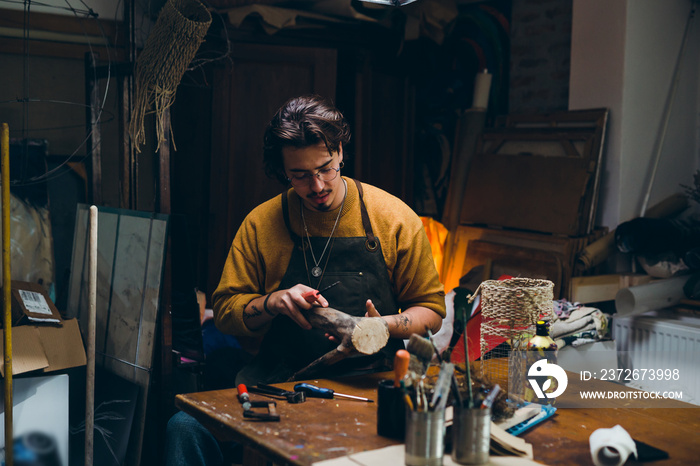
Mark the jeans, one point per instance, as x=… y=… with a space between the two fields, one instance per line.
x=189 y=443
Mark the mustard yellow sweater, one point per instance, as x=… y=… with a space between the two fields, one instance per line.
x=262 y=248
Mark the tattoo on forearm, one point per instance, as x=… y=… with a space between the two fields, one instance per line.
x=254 y=313
x=402 y=322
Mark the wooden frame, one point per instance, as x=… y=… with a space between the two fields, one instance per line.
x=130 y=273
x=538 y=173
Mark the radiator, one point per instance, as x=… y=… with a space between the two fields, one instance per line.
x=662 y=340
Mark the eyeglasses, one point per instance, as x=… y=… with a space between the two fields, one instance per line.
x=325 y=174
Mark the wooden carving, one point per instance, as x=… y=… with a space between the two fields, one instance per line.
x=357 y=335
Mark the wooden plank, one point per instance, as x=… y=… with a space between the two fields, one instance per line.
x=537 y=193
x=588 y=118
x=518 y=262
x=525 y=174
x=459 y=260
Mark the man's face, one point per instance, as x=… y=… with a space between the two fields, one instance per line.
x=316 y=193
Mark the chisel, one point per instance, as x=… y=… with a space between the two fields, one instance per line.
x=312 y=296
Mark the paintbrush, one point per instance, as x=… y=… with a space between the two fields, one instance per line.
x=444 y=366
x=422 y=353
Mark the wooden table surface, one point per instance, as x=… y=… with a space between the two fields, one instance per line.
x=321 y=429
x=669 y=425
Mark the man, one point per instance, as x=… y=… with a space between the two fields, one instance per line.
x=325 y=230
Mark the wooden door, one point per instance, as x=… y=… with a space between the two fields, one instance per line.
x=248 y=90
x=384 y=128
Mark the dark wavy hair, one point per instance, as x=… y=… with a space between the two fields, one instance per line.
x=302 y=122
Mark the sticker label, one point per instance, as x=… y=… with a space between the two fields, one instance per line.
x=35 y=302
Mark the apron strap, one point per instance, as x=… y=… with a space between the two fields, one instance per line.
x=371 y=243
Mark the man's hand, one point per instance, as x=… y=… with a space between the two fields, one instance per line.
x=371 y=310
x=291 y=302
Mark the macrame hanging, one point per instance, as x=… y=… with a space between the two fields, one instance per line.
x=169 y=49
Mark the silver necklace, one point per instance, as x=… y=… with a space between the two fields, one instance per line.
x=316 y=271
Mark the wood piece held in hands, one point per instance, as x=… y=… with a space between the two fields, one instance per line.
x=357 y=335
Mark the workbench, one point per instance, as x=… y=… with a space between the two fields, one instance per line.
x=320 y=429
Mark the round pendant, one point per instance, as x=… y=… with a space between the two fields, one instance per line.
x=316 y=272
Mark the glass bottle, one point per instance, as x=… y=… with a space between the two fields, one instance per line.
x=539 y=347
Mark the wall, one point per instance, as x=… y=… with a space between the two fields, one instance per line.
x=540 y=45
x=623 y=56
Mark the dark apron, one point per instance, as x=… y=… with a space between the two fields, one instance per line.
x=358 y=263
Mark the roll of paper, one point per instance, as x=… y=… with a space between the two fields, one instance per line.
x=482 y=88
x=652 y=296
x=611 y=447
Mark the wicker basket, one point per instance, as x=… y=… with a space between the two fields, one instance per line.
x=509 y=309
x=170 y=47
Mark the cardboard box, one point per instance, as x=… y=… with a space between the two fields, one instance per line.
x=31 y=305
x=44 y=347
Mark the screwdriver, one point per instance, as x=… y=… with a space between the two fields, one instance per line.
x=312 y=296
x=313 y=391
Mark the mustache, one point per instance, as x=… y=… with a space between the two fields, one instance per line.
x=321 y=194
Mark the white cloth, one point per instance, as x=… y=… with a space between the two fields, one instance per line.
x=580 y=320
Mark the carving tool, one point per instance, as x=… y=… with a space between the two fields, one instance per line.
x=317 y=392
x=269 y=390
x=312 y=296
